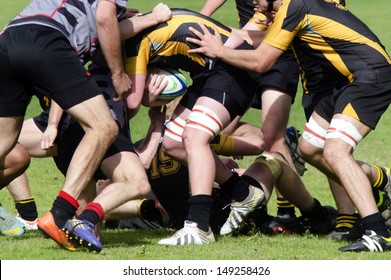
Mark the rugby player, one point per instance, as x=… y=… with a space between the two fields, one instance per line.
x=277 y=92
x=358 y=57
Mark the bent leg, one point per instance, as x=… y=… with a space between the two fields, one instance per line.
x=100 y=131
x=13 y=165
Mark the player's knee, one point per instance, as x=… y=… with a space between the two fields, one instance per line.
x=170 y=147
x=273 y=162
x=308 y=151
x=14 y=165
x=19 y=158
x=273 y=141
x=194 y=139
x=144 y=188
x=332 y=155
x=108 y=131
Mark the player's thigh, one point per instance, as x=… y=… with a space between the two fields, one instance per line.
x=275 y=111
x=93 y=114
x=124 y=166
x=30 y=137
x=9 y=132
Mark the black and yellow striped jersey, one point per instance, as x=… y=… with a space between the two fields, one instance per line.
x=165 y=44
x=331 y=35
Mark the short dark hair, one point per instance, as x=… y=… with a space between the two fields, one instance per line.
x=270 y=5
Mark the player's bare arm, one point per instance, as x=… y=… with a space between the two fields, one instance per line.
x=50 y=133
x=133 y=25
x=133 y=101
x=109 y=40
x=147 y=149
x=260 y=60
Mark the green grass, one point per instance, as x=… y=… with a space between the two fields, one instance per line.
x=46 y=181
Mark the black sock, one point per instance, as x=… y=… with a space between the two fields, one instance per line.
x=27 y=209
x=376 y=195
x=229 y=185
x=285 y=208
x=149 y=211
x=199 y=210
x=90 y=216
x=317 y=212
x=241 y=190
x=62 y=211
x=376 y=223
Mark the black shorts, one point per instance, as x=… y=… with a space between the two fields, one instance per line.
x=367 y=102
x=102 y=77
x=283 y=76
x=41 y=121
x=325 y=105
x=67 y=145
x=232 y=87
x=318 y=83
x=364 y=102
x=38 y=60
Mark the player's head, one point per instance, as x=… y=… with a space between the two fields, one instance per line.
x=267 y=7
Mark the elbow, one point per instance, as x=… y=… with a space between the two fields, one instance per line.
x=133 y=107
x=133 y=103
x=261 y=67
x=105 y=13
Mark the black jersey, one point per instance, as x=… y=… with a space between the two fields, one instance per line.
x=170 y=183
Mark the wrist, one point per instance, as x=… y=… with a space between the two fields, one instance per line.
x=52 y=125
x=117 y=74
x=155 y=19
x=221 y=53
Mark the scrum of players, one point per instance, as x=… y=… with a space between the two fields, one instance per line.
x=183 y=174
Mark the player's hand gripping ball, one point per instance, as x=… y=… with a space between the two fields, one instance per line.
x=177 y=83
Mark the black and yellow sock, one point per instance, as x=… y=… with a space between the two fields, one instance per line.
x=345 y=221
x=285 y=208
x=27 y=209
x=382 y=177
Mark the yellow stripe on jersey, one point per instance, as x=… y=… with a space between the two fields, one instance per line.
x=259 y=17
x=326 y=36
x=335 y=30
x=168 y=40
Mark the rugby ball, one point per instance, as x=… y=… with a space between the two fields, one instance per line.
x=177 y=83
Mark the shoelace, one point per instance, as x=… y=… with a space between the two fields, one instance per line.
x=186 y=230
x=82 y=223
x=371 y=244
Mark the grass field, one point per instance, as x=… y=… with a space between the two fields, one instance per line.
x=46 y=181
